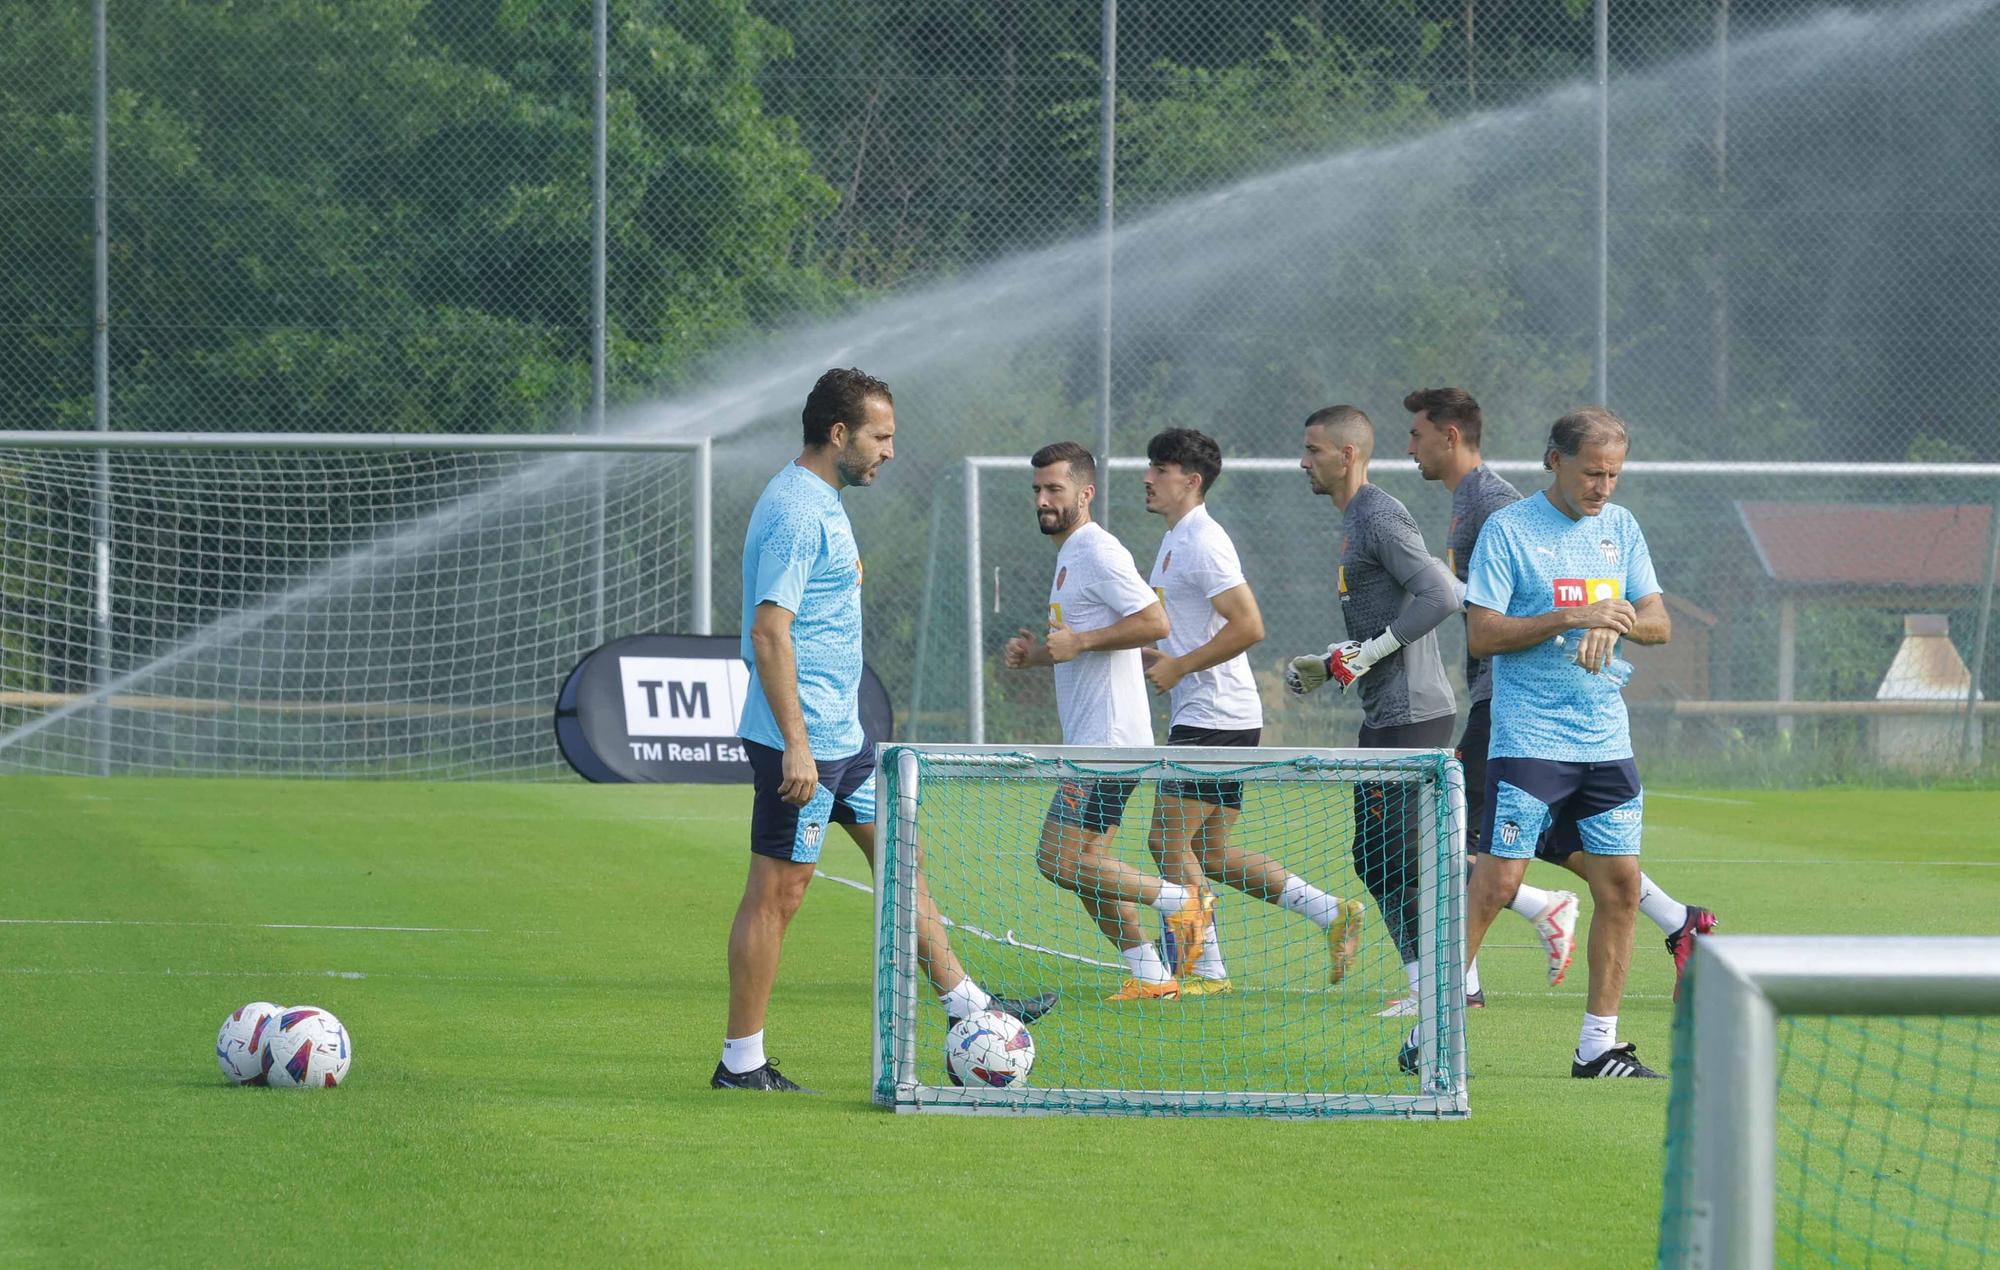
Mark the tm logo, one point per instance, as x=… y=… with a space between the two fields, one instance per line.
x=684 y=701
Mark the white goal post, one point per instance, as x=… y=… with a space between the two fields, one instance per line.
x=1723 y=1152
x=968 y=816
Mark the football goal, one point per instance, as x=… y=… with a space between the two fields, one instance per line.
x=364 y=605
x=1040 y=860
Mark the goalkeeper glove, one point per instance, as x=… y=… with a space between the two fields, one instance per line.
x=1307 y=673
x=1355 y=659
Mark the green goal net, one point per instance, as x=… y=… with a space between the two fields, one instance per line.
x=1326 y=981
x=1836 y=1102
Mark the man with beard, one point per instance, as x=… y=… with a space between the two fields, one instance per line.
x=811 y=763
x=1101 y=612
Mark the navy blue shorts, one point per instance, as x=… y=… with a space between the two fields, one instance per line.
x=1096 y=806
x=845 y=796
x=1216 y=793
x=1599 y=807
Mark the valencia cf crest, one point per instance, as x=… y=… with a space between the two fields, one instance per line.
x=1166 y=562
x=1510 y=833
x=1610 y=550
x=1061 y=574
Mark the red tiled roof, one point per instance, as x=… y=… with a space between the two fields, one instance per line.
x=1848 y=544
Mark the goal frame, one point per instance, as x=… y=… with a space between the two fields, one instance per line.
x=1740 y=985
x=101 y=695
x=1441 y=1015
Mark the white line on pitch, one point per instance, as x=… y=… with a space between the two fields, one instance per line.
x=1843 y=864
x=197 y=974
x=402 y=930
x=1700 y=798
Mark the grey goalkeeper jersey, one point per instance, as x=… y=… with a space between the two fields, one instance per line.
x=1479 y=495
x=1388 y=581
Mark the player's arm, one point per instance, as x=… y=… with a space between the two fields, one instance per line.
x=1242 y=628
x=1400 y=551
x=1650 y=624
x=778 y=674
x=1488 y=632
x=1024 y=651
x=1147 y=626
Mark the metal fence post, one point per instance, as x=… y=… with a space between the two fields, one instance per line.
x=1603 y=17
x=1106 y=183
x=600 y=52
x=100 y=502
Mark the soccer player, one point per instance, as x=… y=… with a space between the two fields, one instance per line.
x=811 y=764
x=1201 y=665
x=1101 y=613
x=1445 y=425
x=1393 y=596
x=1555 y=581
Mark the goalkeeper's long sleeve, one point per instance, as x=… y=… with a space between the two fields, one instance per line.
x=1423 y=577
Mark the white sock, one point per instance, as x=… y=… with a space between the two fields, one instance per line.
x=964 y=1001
x=1529 y=901
x=1209 y=964
x=744 y=1053
x=1472 y=976
x=1308 y=900
x=1598 y=1035
x=1145 y=964
x=1173 y=897
x=1410 y=969
x=1666 y=912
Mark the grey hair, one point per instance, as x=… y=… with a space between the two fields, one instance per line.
x=1590 y=425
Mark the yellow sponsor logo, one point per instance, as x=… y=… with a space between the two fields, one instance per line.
x=1055 y=614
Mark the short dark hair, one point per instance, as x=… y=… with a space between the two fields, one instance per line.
x=1189 y=450
x=1454 y=406
x=1082 y=467
x=1338 y=416
x=839 y=397
x=1588 y=425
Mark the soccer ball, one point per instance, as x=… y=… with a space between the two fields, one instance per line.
x=308 y=1048
x=990 y=1048
x=242 y=1043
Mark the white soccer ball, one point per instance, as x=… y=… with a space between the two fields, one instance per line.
x=309 y=1049
x=244 y=1040
x=991 y=1049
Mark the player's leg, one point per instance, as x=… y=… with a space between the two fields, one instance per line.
x=1376 y=853
x=1609 y=809
x=1551 y=913
x=784 y=845
x=1180 y=821
x=1072 y=853
x=1516 y=813
x=1388 y=844
x=1681 y=923
x=1262 y=877
x=772 y=893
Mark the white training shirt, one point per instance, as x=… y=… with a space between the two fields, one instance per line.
x=1100 y=696
x=1197 y=563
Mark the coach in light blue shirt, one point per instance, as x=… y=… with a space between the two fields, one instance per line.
x=1555 y=581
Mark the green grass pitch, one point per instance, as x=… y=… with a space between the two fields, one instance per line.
x=530 y=1083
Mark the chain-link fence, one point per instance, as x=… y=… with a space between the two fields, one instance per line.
x=1761 y=229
